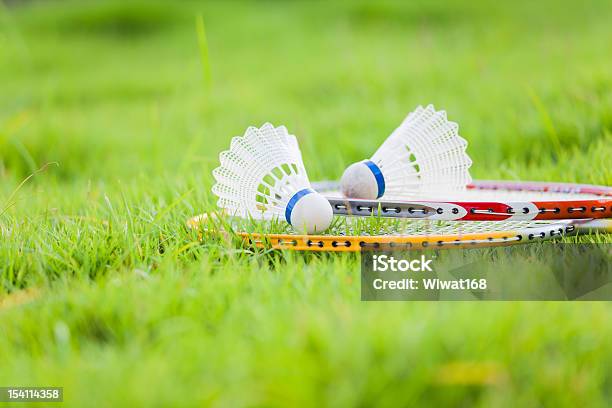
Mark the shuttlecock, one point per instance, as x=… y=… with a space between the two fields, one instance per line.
x=262 y=175
x=424 y=155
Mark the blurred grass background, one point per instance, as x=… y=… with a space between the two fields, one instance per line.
x=103 y=290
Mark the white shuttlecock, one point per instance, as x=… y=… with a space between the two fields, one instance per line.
x=262 y=175
x=424 y=155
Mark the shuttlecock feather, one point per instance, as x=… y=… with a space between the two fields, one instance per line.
x=424 y=155
x=262 y=175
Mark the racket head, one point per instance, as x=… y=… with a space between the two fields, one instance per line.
x=414 y=234
x=484 y=201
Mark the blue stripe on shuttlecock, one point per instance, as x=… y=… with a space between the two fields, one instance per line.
x=293 y=201
x=380 y=180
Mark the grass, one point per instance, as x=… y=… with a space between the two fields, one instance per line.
x=105 y=292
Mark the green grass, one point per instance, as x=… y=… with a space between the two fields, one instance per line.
x=105 y=292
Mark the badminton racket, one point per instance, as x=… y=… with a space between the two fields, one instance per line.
x=346 y=235
x=484 y=201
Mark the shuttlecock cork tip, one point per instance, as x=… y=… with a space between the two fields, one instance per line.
x=363 y=180
x=308 y=211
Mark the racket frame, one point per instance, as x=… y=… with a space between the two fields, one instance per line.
x=341 y=243
x=600 y=207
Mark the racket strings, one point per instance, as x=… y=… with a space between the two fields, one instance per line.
x=482 y=195
x=364 y=227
